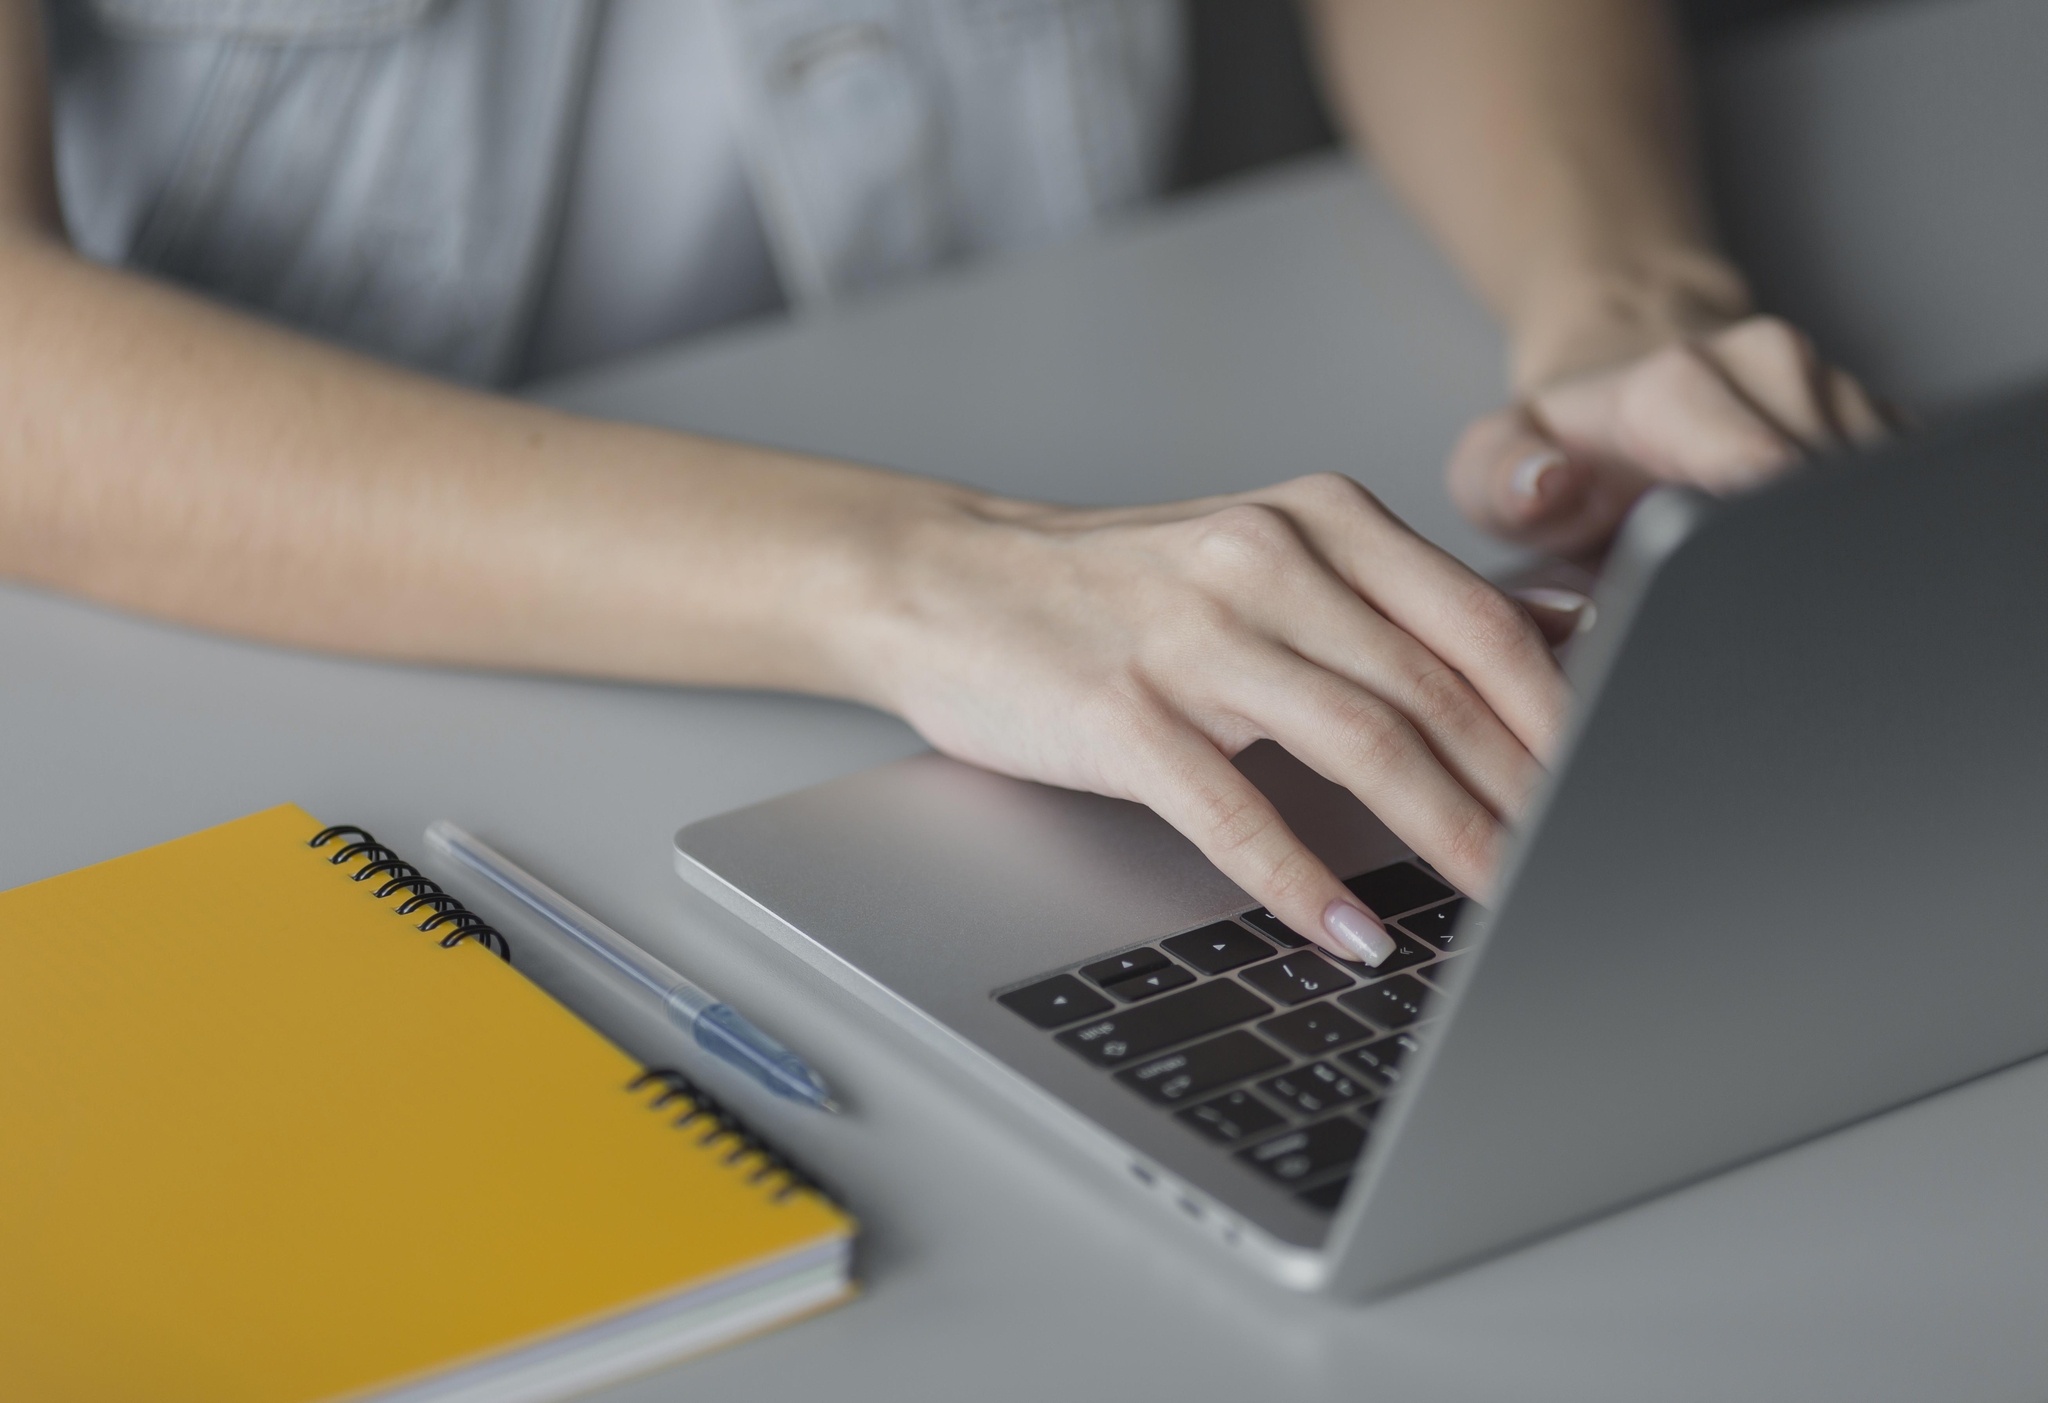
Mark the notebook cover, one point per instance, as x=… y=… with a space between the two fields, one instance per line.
x=264 y=1140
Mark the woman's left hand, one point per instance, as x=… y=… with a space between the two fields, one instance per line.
x=1720 y=411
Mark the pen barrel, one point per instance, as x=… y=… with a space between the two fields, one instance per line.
x=717 y=1027
x=723 y=1033
x=537 y=899
x=686 y=1003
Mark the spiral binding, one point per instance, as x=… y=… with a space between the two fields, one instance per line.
x=719 y=1123
x=698 y=1105
x=421 y=891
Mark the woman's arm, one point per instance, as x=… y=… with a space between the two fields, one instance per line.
x=1549 y=147
x=170 y=456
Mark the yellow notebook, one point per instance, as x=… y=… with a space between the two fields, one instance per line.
x=262 y=1138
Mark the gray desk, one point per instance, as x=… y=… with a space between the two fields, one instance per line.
x=1290 y=325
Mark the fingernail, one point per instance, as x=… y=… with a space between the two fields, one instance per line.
x=1361 y=936
x=1528 y=479
x=1560 y=601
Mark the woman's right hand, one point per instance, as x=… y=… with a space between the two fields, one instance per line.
x=1722 y=411
x=1132 y=652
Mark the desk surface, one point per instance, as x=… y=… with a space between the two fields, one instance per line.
x=1289 y=325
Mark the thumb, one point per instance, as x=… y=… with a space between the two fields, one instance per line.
x=1515 y=480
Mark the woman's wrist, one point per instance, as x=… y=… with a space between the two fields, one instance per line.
x=897 y=562
x=1591 y=318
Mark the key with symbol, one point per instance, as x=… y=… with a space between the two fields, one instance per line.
x=1297 y=978
x=1222 y=946
x=1055 y=1002
x=1161 y=1022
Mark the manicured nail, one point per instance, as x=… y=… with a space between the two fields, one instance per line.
x=1362 y=937
x=1534 y=473
x=1560 y=601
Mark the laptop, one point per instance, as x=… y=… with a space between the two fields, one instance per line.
x=1789 y=872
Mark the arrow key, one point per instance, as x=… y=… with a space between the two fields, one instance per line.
x=1055 y=1002
x=1214 y=949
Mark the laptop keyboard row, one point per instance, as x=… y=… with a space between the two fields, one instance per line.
x=1256 y=1041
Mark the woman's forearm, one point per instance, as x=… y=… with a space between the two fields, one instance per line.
x=167 y=455
x=1549 y=147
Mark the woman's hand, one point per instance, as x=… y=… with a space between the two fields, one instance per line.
x=1721 y=411
x=1132 y=652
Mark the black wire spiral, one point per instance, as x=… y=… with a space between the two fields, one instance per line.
x=422 y=891
x=699 y=1106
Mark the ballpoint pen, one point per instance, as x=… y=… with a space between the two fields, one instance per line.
x=717 y=1026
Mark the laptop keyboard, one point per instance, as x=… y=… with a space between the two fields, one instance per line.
x=1254 y=1040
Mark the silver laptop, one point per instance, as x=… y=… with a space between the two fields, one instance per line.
x=1791 y=872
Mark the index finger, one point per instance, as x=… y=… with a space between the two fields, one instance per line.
x=1189 y=783
x=1514 y=480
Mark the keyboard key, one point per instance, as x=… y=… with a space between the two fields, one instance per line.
x=1408 y=953
x=1381 y=1061
x=1438 y=925
x=1233 y=1117
x=1162 y=1022
x=1316 y=1029
x=1391 y=1003
x=1403 y=886
x=1295 y=979
x=1324 y=1198
x=1130 y=962
x=1055 y=1002
x=1316 y=1088
x=1266 y=922
x=1301 y=1155
x=1214 y=949
x=1196 y=1071
x=1144 y=986
x=1442 y=972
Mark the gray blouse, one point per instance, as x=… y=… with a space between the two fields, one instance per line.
x=391 y=174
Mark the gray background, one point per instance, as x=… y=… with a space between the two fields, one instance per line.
x=1254 y=98
x=1883 y=167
